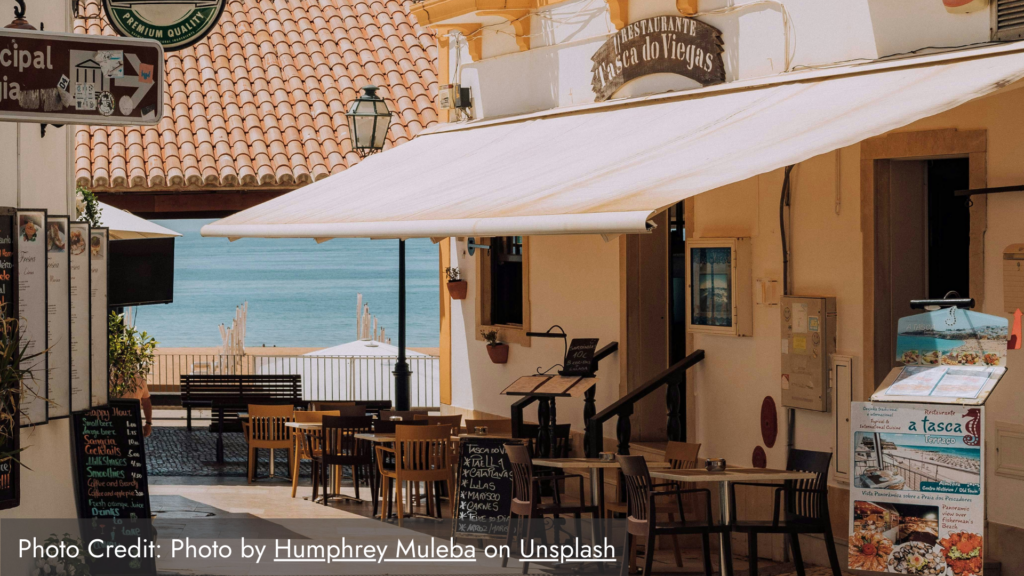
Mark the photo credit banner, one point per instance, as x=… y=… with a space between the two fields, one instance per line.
x=917 y=501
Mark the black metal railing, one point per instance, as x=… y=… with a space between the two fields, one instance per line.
x=674 y=377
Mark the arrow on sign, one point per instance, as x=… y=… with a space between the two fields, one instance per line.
x=141 y=88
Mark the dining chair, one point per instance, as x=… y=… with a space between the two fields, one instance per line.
x=266 y=429
x=681 y=456
x=805 y=511
x=528 y=503
x=561 y=444
x=388 y=427
x=421 y=454
x=321 y=406
x=406 y=415
x=496 y=427
x=455 y=422
x=339 y=447
x=642 y=519
x=302 y=450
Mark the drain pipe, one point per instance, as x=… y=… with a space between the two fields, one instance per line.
x=790 y=412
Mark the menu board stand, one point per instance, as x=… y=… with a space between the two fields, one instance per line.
x=917 y=487
x=58 y=310
x=32 y=313
x=98 y=240
x=81 y=314
x=484 y=489
x=10 y=471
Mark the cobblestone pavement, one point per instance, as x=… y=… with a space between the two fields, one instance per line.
x=172 y=451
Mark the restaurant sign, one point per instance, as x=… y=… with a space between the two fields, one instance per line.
x=55 y=78
x=176 y=24
x=664 y=44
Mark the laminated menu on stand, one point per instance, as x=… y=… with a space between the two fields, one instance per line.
x=58 y=328
x=32 y=313
x=98 y=319
x=81 y=328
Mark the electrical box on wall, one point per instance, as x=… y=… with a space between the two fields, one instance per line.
x=808 y=341
x=453 y=97
x=719 y=286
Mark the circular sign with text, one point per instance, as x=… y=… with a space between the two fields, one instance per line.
x=174 y=23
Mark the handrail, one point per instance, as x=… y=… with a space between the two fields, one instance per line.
x=624 y=406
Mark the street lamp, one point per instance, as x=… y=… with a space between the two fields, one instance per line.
x=368 y=121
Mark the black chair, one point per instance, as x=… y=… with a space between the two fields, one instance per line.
x=642 y=520
x=805 y=511
x=561 y=444
x=339 y=447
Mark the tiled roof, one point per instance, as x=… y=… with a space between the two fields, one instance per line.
x=261 y=101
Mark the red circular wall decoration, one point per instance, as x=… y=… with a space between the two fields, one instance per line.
x=769 y=421
x=759 y=459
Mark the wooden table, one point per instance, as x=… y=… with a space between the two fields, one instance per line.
x=724 y=498
x=597 y=468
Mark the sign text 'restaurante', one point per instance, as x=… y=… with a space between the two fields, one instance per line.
x=664 y=44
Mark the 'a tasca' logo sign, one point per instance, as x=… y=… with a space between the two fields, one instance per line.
x=174 y=23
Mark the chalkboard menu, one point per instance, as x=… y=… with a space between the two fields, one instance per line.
x=10 y=472
x=110 y=461
x=579 y=359
x=485 y=488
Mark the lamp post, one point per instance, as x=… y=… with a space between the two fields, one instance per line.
x=368 y=122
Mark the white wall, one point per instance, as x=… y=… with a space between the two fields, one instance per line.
x=557 y=71
x=36 y=172
x=573 y=283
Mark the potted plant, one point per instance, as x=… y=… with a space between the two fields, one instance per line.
x=131 y=356
x=15 y=372
x=498 y=351
x=457 y=287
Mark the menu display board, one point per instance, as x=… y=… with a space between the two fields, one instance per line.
x=58 y=327
x=110 y=461
x=579 y=359
x=917 y=492
x=485 y=488
x=98 y=320
x=32 y=312
x=10 y=472
x=81 y=329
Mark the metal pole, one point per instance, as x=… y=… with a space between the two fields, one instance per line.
x=401 y=367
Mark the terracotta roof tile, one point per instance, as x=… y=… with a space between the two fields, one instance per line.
x=261 y=101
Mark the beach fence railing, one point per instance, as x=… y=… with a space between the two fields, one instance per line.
x=324 y=378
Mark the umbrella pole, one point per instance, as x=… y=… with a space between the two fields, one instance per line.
x=401 y=367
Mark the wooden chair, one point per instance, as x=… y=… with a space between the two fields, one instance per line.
x=642 y=520
x=806 y=510
x=317 y=405
x=682 y=456
x=527 y=503
x=340 y=447
x=302 y=450
x=561 y=444
x=388 y=427
x=266 y=429
x=421 y=454
x=496 y=427
x=455 y=422
x=407 y=415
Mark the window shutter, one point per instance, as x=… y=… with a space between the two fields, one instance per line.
x=1008 y=20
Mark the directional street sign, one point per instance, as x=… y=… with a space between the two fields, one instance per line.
x=54 y=78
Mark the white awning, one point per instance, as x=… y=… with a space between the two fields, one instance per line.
x=126 y=226
x=608 y=168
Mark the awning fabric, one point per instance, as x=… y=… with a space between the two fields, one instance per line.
x=124 y=225
x=608 y=168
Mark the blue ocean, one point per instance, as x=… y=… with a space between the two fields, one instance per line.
x=300 y=293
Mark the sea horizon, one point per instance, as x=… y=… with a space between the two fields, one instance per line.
x=301 y=294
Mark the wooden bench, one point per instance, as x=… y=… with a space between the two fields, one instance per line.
x=230 y=394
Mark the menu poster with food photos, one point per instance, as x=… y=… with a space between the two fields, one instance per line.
x=917 y=494
x=58 y=328
x=81 y=328
x=32 y=317
x=98 y=290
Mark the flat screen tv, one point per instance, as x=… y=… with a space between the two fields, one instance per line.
x=141 y=272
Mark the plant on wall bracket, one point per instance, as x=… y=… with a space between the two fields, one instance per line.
x=131 y=355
